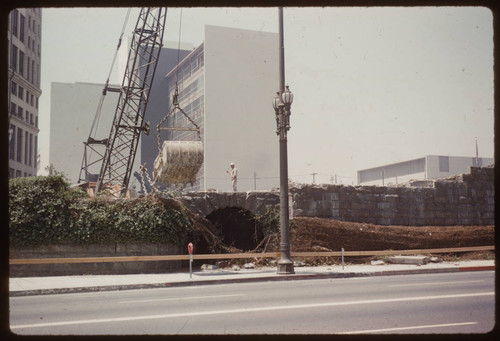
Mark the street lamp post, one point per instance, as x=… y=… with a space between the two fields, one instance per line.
x=281 y=104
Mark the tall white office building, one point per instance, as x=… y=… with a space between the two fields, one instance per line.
x=226 y=86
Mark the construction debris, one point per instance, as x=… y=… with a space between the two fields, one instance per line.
x=416 y=260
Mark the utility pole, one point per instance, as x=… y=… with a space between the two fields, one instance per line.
x=254 y=181
x=314 y=177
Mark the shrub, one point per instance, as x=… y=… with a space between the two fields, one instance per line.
x=44 y=210
x=39 y=209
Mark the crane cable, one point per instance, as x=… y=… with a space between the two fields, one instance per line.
x=95 y=123
x=178 y=51
x=173 y=104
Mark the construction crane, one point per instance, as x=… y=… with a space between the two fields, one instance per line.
x=118 y=157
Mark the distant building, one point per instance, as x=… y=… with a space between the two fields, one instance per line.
x=425 y=168
x=24 y=51
x=73 y=108
x=226 y=86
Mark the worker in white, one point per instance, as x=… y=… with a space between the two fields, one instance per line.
x=233 y=172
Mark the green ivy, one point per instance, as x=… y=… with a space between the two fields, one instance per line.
x=44 y=210
x=39 y=209
x=269 y=222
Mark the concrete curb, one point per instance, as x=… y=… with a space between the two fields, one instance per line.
x=274 y=278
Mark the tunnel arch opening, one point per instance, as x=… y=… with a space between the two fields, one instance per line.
x=236 y=227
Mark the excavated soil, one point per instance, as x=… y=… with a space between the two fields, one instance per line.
x=309 y=234
x=316 y=234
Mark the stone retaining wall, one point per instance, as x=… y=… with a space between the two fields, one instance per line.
x=113 y=250
x=257 y=202
x=468 y=199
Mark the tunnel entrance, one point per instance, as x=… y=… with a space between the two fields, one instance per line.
x=236 y=227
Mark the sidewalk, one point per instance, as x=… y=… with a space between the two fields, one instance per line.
x=24 y=286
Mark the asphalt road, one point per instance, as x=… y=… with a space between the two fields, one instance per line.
x=432 y=303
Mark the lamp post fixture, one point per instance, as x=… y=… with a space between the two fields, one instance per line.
x=281 y=105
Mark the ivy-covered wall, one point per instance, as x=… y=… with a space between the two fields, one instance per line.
x=43 y=210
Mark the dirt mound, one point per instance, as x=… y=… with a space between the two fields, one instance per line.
x=315 y=234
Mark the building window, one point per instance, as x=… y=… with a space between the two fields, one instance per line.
x=13 y=109
x=33 y=72
x=18 y=173
x=186 y=71
x=21 y=63
x=28 y=69
x=194 y=64
x=13 y=58
x=37 y=74
x=36 y=152
x=21 y=28
x=20 y=92
x=20 y=112
x=201 y=59
x=12 y=142
x=14 y=22
x=13 y=88
x=26 y=139
x=11 y=173
x=30 y=150
x=19 y=146
x=444 y=164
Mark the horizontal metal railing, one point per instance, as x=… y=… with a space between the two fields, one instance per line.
x=243 y=255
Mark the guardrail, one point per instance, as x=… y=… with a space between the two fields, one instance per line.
x=243 y=255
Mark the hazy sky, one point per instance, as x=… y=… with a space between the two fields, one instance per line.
x=371 y=86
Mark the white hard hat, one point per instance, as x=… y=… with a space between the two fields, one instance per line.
x=232 y=164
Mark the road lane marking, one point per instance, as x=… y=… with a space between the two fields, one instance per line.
x=434 y=283
x=409 y=328
x=247 y=310
x=182 y=298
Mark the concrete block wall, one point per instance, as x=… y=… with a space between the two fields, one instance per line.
x=468 y=199
x=110 y=250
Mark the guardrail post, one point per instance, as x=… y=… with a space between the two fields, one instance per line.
x=342 y=259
